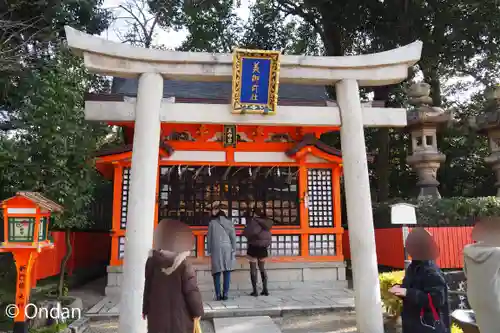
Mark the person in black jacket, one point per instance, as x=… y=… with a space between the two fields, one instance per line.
x=259 y=236
x=424 y=290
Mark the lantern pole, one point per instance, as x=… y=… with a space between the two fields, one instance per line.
x=24 y=260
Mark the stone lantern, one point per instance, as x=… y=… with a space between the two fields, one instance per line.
x=25 y=233
x=26 y=221
x=488 y=124
x=423 y=122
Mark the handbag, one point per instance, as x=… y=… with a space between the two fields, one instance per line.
x=197 y=326
x=435 y=314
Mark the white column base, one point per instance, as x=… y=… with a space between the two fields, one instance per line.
x=359 y=210
x=141 y=202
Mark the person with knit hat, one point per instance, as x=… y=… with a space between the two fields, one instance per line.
x=424 y=290
x=221 y=246
x=172 y=300
x=482 y=269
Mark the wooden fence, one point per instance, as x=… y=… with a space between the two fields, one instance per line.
x=89 y=249
x=390 y=250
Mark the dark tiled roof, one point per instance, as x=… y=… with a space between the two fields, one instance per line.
x=113 y=150
x=311 y=140
x=218 y=90
x=127 y=148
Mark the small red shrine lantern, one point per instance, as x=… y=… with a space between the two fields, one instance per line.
x=26 y=219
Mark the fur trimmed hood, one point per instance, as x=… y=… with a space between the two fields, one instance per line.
x=175 y=258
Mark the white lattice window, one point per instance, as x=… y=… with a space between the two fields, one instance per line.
x=124 y=202
x=285 y=245
x=121 y=247
x=322 y=245
x=320 y=212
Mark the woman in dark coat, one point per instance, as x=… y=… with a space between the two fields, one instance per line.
x=172 y=300
x=258 y=235
x=424 y=289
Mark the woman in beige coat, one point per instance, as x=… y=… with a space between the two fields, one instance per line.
x=482 y=269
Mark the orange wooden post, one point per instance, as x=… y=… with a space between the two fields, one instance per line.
x=24 y=259
x=33 y=276
x=117 y=193
x=337 y=211
x=303 y=212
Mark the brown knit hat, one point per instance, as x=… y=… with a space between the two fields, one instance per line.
x=217 y=204
x=487 y=229
x=421 y=245
x=174 y=236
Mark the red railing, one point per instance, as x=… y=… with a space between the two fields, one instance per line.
x=390 y=251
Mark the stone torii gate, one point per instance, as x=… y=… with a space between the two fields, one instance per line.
x=149 y=109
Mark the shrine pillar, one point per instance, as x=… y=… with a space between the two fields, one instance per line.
x=141 y=202
x=359 y=210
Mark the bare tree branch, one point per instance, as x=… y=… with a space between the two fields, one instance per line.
x=142 y=26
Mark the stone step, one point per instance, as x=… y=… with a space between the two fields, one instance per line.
x=262 y=324
x=246 y=287
x=280 y=275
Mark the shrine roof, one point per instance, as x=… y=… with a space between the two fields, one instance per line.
x=37 y=199
x=164 y=148
x=219 y=90
x=311 y=140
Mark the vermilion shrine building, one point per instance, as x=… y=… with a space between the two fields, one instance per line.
x=296 y=177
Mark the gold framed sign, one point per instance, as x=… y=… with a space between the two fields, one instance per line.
x=230 y=136
x=255 y=81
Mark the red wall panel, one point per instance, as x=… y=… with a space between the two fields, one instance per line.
x=89 y=248
x=390 y=251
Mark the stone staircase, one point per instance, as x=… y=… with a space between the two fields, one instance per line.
x=288 y=275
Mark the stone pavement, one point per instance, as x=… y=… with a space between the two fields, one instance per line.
x=306 y=300
x=330 y=322
x=282 y=301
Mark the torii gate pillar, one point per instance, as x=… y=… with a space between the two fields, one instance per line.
x=359 y=210
x=348 y=73
x=141 y=201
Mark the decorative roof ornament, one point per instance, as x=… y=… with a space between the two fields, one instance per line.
x=419 y=97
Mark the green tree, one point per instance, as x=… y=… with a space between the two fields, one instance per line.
x=212 y=26
x=460 y=39
x=30 y=29
x=266 y=29
x=56 y=144
x=45 y=144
